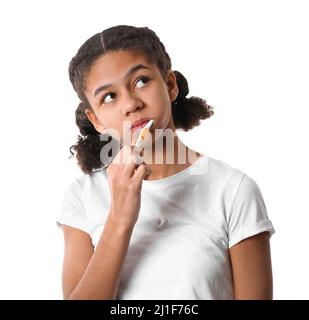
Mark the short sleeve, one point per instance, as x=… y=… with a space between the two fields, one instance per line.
x=248 y=215
x=72 y=211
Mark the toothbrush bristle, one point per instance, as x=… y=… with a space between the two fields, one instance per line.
x=144 y=133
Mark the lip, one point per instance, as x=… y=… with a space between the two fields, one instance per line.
x=141 y=122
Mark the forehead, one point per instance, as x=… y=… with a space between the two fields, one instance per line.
x=111 y=67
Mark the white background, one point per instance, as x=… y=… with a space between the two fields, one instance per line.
x=248 y=59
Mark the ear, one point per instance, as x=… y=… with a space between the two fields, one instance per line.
x=95 y=121
x=172 y=85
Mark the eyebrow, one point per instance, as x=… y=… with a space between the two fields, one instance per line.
x=130 y=72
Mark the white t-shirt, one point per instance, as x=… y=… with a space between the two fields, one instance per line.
x=187 y=223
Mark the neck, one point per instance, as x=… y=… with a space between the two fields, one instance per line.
x=166 y=158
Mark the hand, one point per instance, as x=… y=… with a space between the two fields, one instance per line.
x=125 y=174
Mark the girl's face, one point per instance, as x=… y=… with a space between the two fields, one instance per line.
x=124 y=86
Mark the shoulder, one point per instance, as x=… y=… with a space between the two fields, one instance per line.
x=225 y=174
x=84 y=200
x=232 y=177
x=83 y=190
x=84 y=182
x=232 y=183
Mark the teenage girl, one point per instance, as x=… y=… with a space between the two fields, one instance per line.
x=136 y=227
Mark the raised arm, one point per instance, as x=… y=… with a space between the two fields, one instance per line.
x=95 y=274
x=89 y=274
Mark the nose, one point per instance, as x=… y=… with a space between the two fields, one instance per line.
x=131 y=104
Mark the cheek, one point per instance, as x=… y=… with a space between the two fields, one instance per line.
x=159 y=94
x=158 y=100
x=164 y=110
x=109 y=121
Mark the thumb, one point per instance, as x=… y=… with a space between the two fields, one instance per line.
x=147 y=174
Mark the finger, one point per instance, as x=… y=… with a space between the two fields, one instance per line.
x=141 y=172
x=132 y=160
x=128 y=151
x=123 y=156
x=137 y=149
x=136 y=162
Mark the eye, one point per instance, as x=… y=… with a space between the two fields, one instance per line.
x=146 y=79
x=112 y=94
x=106 y=95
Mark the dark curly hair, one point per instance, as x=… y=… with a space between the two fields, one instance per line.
x=186 y=112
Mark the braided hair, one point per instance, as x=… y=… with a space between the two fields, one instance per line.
x=186 y=112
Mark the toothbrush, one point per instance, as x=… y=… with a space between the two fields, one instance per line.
x=143 y=134
x=140 y=139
